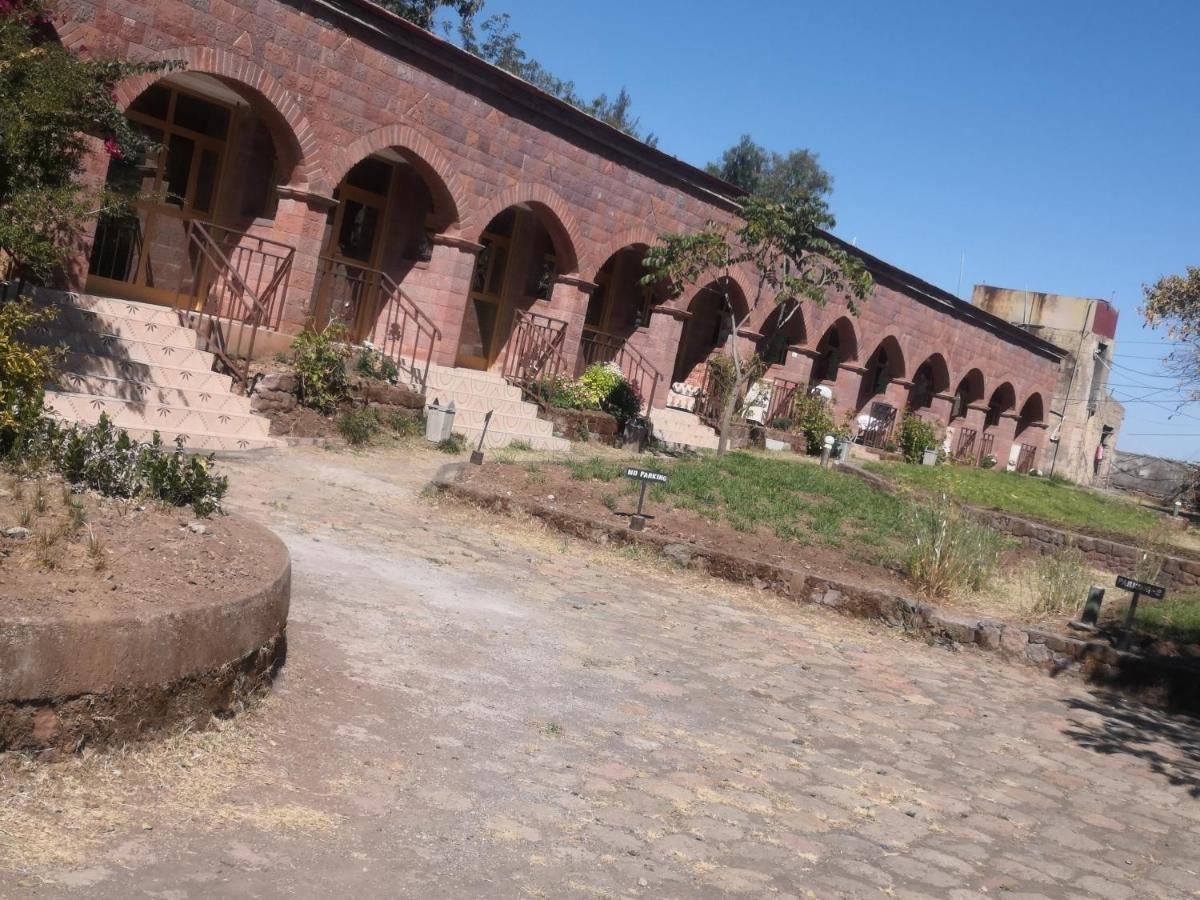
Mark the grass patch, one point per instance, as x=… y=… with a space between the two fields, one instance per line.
x=1177 y=618
x=1054 y=500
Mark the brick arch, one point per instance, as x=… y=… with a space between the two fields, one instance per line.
x=554 y=213
x=601 y=253
x=279 y=109
x=1033 y=413
x=439 y=175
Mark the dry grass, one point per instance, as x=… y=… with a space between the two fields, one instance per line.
x=61 y=813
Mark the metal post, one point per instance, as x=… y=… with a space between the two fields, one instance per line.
x=637 y=521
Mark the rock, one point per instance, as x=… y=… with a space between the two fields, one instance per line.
x=285 y=382
x=197 y=528
x=989 y=635
x=1038 y=653
x=679 y=553
x=1014 y=640
x=17 y=533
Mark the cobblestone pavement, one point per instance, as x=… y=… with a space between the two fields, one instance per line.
x=476 y=708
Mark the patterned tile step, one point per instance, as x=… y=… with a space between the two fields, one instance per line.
x=164 y=376
x=498 y=439
x=469 y=418
x=127 y=309
x=87 y=409
x=134 y=329
x=223 y=400
x=135 y=351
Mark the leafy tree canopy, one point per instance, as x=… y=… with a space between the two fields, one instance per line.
x=425 y=12
x=784 y=246
x=1174 y=301
x=51 y=101
x=757 y=170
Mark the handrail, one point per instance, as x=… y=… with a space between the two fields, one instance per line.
x=373 y=306
x=535 y=349
x=222 y=305
x=600 y=346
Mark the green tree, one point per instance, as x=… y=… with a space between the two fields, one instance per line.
x=1174 y=301
x=785 y=247
x=424 y=12
x=51 y=101
x=497 y=43
x=757 y=170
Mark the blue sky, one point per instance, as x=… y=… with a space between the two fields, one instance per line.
x=1054 y=143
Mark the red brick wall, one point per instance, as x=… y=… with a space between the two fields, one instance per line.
x=332 y=91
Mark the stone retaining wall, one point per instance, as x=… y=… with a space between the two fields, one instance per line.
x=1167 y=681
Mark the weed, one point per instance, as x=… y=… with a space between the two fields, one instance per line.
x=359 y=426
x=520 y=446
x=1059 y=582
x=1176 y=617
x=373 y=364
x=39 y=499
x=949 y=552
x=95 y=549
x=319 y=359
x=454 y=444
x=594 y=469
x=553 y=729
x=25 y=519
x=78 y=516
x=609 y=501
x=404 y=425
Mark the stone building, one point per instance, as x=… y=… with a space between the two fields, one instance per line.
x=1085 y=420
x=326 y=160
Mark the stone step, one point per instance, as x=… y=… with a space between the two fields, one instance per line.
x=473 y=419
x=109 y=306
x=164 y=376
x=155 y=392
x=198 y=441
x=473 y=402
x=441 y=385
x=130 y=414
x=78 y=318
x=498 y=439
x=138 y=352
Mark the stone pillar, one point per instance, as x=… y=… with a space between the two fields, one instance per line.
x=846 y=388
x=1035 y=435
x=569 y=302
x=660 y=345
x=940 y=408
x=798 y=367
x=300 y=223
x=1003 y=446
x=441 y=287
x=896 y=394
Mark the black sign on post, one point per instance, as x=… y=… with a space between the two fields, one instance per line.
x=638 y=520
x=1137 y=588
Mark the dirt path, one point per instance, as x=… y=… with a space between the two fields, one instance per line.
x=475 y=708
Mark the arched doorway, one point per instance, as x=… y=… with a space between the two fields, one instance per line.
x=931 y=378
x=618 y=307
x=516 y=269
x=708 y=329
x=884 y=366
x=782 y=330
x=970 y=390
x=837 y=345
x=220 y=162
x=1031 y=416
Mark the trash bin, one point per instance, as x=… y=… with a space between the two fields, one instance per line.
x=842 y=451
x=929 y=457
x=439 y=420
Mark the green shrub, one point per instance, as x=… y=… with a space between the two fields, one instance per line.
x=371 y=363
x=914 y=437
x=597 y=382
x=1060 y=582
x=520 y=446
x=601 y=387
x=319 y=358
x=24 y=371
x=949 y=552
x=359 y=426
x=813 y=418
x=404 y=425
x=181 y=479
x=456 y=443
x=623 y=402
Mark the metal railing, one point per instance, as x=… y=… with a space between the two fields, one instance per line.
x=600 y=346
x=373 y=307
x=987 y=445
x=227 y=301
x=1026 y=458
x=783 y=399
x=116 y=247
x=965 y=451
x=535 y=349
x=877 y=433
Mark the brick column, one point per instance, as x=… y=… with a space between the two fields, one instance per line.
x=300 y=223
x=896 y=394
x=798 y=367
x=659 y=343
x=1002 y=448
x=1035 y=435
x=846 y=388
x=440 y=289
x=569 y=302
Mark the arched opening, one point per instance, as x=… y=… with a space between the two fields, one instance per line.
x=1032 y=413
x=224 y=150
x=516 y=270
x=884 y=366
x=970 y=390
x=783 y=329
x=708 y=329
x=932 y=377
x=618 y=307
x=376 y=234
x=837 y=345
x=1003 y=399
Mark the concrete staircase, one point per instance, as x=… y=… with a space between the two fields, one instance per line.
x=681 y=428
x=135 y=362
x=474 y=393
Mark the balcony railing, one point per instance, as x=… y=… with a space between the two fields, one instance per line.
x=966 y=449
x=373 y=307
x=877 y=432
x=600 y=346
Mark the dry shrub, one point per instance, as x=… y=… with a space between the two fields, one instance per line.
x=950 y=552
x=1059 y=582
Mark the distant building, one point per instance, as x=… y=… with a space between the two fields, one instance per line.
x=1084 y=418
x=1161 y=480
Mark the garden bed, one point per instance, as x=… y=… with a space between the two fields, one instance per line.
x=118 y=616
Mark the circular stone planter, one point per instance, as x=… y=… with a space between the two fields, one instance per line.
x=86 y=678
